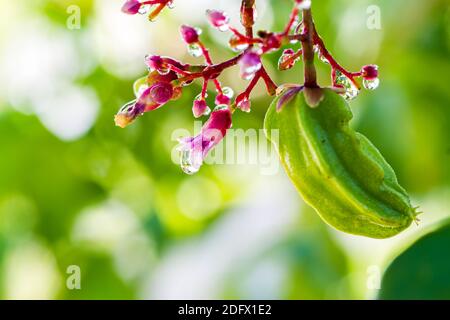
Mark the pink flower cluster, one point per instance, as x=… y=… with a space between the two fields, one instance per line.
x=152 y=8
x=168 y=76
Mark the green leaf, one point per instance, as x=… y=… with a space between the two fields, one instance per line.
x=422 y=271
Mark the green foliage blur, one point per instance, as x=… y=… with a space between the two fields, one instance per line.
x=77 y=191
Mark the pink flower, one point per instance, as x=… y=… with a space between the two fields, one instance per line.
x=223 y=99
x=128 y=113
x=218 y=19
x=154 y=97
x=250 y=63
x=370 y=72
x=243 y=102
x=131 y=7
x=157 y=63
x=190 y=35
x=195 y=149
x=200 y=108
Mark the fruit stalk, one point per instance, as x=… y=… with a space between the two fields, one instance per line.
x=308 y=50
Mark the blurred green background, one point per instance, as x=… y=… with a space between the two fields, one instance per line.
x=77 y=191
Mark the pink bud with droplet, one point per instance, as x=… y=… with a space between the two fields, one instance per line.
x=200 y=108
x=189 y=34
x=222 y=99
x=243 y=102
x=370 y=72
x=156 y=95
x=218 y=19
x=250 y=63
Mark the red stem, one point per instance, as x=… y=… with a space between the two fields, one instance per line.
x=334 y=64
x=292 y=18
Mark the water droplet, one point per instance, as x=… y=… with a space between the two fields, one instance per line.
x=187 y=83
x=244 y=105
x=170 y=4
x=224 y=27
x=304 y=5
x=300 y=28
x=207 y=112
x=200 y=97
x=198 y=30
x=351 y=91
x=255 y=13
x=195 y=50
x=250 y=63
x=145 y=9
x=296 y=23
x=127 y=106
x=322 y=58
x=139 y=86
x=191 y=161
x=237 y=44
x=163 y=71
x=287 y=60
x=221 y=107
x=227 y=91
x=371 y=84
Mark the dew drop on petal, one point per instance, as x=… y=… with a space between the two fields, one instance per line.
x=371 y=84
x=145 y=9
x=221 y=107
x=191 y=161
x=195 y=50
x=139 y=86
x=191 y=154
x=163 y=71
x=351 y=91
x=227 y=91
x=287 y=60
x=223 y=28
x=200 y=97
x=170 y=5
x=237 y=44
x=198 y=30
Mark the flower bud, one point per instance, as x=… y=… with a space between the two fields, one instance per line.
x=243 y=102
x=200 y=108
x=218 y=19
x=195 y=149
x=131 y=7
x=189 y=34
x=271 y=43
x=250 y=63
x=287 y=59
x=156 y=95
x=128 y=113
x=161 y=92
x=370 y=72
x=157 y=63
x=222 y=99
